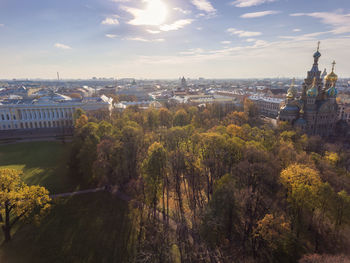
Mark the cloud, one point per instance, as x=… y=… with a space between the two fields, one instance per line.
x=62 y=46
x=176 y=25
x=192 y=51
x=237 y=61
x=305 y=37
x=2 y=25
x=141 y=39
x=242 y=33
x=296 y=30
x=248 y=3
x=111 y=35
x=204 y=5
x=154 y=14
x=339 y=22
x=225 y=42
x=185 y=12
x=260 y=14
x=250 y=39
x=110 y=21
x=153 y=31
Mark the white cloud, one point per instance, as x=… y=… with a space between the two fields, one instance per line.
x=62 y=46
x=225 y=42
x=250 y=39
x=204 y=5
x=242 y=33
x=192 y=51
x=153 y=31
x=185 y=12
x=260 y=14
x=141 y=39
x=248 y=3
x=110 y=21
x=176 y=25
x=111 y=35
x=296 y=30
x=2 y=25
x=236 y=62
x=154 y=14
x=339 y=22
x=305 y=37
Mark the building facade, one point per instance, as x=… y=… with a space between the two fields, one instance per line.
x=315 y=111
x=344 y=112
x=267 y=106
x=47 y=112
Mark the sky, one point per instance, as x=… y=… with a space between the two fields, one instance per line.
x=166 y=39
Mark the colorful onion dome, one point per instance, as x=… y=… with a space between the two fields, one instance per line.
x=313 y=91
x=332 y=91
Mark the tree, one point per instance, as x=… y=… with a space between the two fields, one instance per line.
x=181 y=118
x=18 y=200
x=78 y=113
x=237 y=118
x=303 y=185
x=273 y=234
x=81 y=121
x=154 y=169
x=221 y=218
x=165 y=117
x=250 y=108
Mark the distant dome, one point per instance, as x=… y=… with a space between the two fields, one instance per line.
x=317 y=54
x=292 y=92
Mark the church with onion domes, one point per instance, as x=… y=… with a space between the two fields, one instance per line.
x=314 y=111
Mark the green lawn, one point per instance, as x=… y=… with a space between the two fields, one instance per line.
x=93 y=227
x=43 y=163
x=87 y=228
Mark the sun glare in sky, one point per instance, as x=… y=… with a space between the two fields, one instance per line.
x=154 y=14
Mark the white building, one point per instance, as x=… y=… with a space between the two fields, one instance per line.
x=47 y=112
x=267 y=106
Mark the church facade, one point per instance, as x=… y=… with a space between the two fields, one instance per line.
x=314 y=111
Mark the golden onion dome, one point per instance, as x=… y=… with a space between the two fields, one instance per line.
x=331 y=77
x=290 y=95
x=292 y=91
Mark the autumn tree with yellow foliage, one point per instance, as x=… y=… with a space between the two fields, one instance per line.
x=18 y=200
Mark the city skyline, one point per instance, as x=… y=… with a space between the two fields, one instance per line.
x=167 y=39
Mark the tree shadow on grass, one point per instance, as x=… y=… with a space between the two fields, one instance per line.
x=94 y=227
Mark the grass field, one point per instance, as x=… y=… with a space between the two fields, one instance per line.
x=92 y=227
x=43 y=163
x=87 y=228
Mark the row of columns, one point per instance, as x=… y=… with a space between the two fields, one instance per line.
x=46 y=114
x=36 y=118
